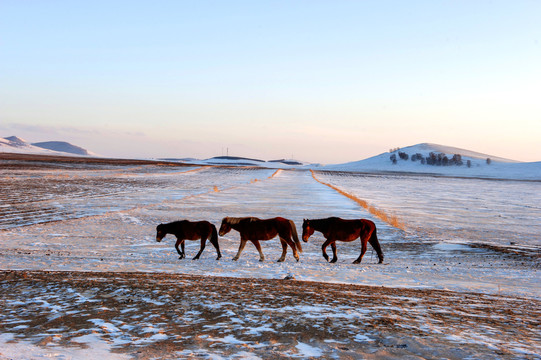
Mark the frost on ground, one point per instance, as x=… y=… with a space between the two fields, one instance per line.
x=174 y=316
x=83 y=276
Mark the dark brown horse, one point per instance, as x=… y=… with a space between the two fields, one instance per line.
x=188 y=230
x=254 y=229
x=336 y=229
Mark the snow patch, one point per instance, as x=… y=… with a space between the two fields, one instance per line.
x=308 y=351
x=97 y=348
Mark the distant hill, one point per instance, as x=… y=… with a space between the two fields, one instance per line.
x=287 y=162
x=62 y=146
x=426 y=148
x=244 y=161
x=427 y=158
x=14 y=144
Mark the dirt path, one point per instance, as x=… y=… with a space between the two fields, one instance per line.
x=177 y=316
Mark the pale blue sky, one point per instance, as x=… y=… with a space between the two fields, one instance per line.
x=321 y=81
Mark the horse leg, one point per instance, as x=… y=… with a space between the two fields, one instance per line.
x=363 y=250
x=181 y=253
x=217 y=247
x=203 y=244
x=324 y=247
x=214 y=241
x=258 y=247
x=241 y=247
x=293 y=247
x=334 y=257
x=375 y=244
x=284 y=250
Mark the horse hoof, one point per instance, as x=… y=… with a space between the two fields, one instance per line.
x=333 y=261
x=235 y=259
x=356 y=262
x=279 y=260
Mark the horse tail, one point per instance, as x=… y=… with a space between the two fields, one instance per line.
x=295 y=235
x=375 y=244
x=214 y=238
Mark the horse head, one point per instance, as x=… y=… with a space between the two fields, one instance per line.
x=160 y=232
x=307 y=230
x=225 y=227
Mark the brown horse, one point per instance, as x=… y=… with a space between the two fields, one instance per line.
x=336 y=229
x=254 y=229
x=188 y=230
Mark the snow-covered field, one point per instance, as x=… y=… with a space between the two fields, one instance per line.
x=475 y=211
x=103 y=219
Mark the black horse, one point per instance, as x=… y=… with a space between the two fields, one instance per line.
x=188 y=230
x=336 y=229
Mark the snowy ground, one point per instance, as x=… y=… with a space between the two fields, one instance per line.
x=148 y=316
x=103 y=219
x=481 y=212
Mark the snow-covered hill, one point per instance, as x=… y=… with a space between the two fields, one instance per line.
x=242 y=161
x=14 y=144
x=418 y=159
x=63 y=147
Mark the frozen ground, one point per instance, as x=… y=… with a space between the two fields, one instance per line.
x=149 y=316
x=103 y=218
x=480 y=212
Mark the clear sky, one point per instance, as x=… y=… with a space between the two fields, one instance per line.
x=321 y=81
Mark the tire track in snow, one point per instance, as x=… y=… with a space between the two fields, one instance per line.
x=380 y=214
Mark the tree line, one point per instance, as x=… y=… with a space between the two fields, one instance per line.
x=435 y=159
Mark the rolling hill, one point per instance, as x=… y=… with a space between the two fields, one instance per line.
x=14 y=144
x=434 y=159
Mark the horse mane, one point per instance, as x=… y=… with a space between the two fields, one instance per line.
x=236 y=220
